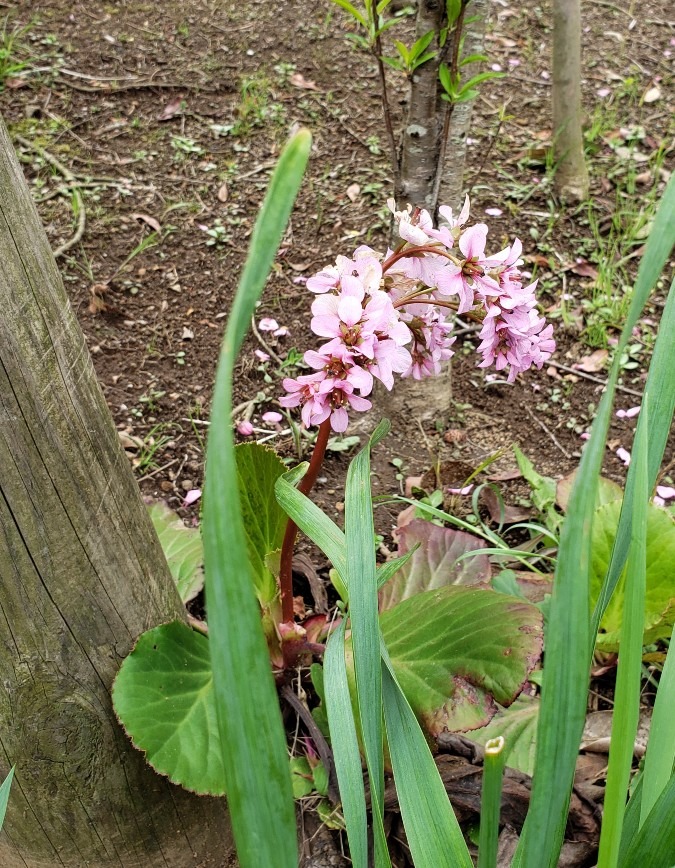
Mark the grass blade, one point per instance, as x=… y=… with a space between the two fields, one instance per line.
x=627 y=691
x=491 y=802
x=660 y=757
x=345 y=747
x=311 y=520
x=654 y=845
x=252 y=736
x=362 y=588
x=433 y=832
x=4 y=795
x=569 y=638
x=660 y=403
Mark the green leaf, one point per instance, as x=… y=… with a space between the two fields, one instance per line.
x=660 y=757
x=362 y=588
x=312 y=521
x=543 y=490
x=661 y=379
x=568 y=634
x=302 y=778
x=654 y=845
x=260 y=798
x=453 y=8
x=345 y=746
x=435 y=564
x=258 y=469
x=394 y=63
x=628 y=677
x=446 y=79
x=163 y=696
x=4 y=794
x=607 y=490
x=433 y=833
x=518 y=726
x=421 y=45
x=660 y=596
x=473 y=58
x=403 y=51
x=182 y=547
x=353 y=11
x=457 y=652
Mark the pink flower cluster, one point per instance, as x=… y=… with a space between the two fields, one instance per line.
x=394 y=314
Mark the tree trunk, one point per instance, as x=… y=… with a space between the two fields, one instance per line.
x=571 y=177
x=421 y=136
x=452 y=181
x=81 y=576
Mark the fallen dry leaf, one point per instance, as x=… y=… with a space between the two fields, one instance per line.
x=223 y=193
x=500 y=512
x=151 y=221
x=652 y=94
x=96 y=302
x=188 y=334
x=593 y=363
x=584 y=269
x=353 y=192
x=299 y=80
x=15 y=83
x=171 y=109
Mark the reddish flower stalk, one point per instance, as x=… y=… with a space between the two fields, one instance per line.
x=305 y=486
x=411 y=251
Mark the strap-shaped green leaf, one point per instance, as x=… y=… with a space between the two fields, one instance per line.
x=654 y=845
x=251 y=731
x=660 y=757
x=4 y=794
x=569 y=636
x=627 y=693
x=311 y=520
x=345 y=746
x=434 y=835
x=362 y=587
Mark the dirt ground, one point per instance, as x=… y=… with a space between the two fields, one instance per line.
x=171 y=116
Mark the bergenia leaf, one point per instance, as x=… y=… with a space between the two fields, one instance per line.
x=182 y=547
x=258 y=469
x=660 y=592
x=518 y=726
x=163 y=696
x=459 y=651
x=435 y=564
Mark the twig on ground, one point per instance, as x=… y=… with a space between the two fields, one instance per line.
x=68 y=175
x=157 y=470
x=593 y=379
x=547 y=431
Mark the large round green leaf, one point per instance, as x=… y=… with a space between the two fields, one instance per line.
x=182 y=548
x=660 y=590
x=436 y=563
x=163 y=696
x=459 y=651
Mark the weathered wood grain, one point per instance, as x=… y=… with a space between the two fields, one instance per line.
x=81 y=576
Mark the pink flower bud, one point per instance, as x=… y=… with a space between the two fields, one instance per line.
x=245 y=428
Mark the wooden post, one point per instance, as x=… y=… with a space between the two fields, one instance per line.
x=81 y=576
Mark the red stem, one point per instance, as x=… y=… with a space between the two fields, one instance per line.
x=410 y=251
x=305 y=486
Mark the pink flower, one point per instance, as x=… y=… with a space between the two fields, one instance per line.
x=267 y=324
x=628 y=414
x=624 y=455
